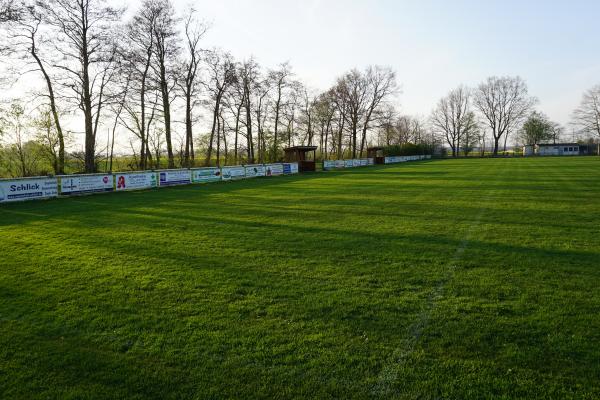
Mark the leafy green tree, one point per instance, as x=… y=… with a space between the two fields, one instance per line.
x=537 y=129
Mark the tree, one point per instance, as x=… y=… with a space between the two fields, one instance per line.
x=280 y=80
x=504 y=103
x=536 y=129
x=24 y=151
x=86 y=45
x=166 y=51
x=136 y=51
x=194 y=31
x=587 y=116
x=50 y=141
x=452 y=118
x=381 y=84
x=24 y=23
x=221 y=74
x=352 y=90
x=9 y=11
x=471 y=134
x=249 y=74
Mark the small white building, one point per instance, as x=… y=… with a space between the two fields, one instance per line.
x=557 y=149
x=528 y=150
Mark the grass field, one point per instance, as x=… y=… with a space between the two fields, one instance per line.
x=463 y=279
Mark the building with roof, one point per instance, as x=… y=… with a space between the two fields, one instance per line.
x=559 y=149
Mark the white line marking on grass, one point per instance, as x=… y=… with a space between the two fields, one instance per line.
x=399 y=359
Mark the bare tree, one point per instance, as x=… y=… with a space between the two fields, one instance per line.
x=221 y=75
x=324 y=119
x=194 y=31
x=280 y=80
x=136 y=51
x=586 y=117
x=504 y=103
x=85 y=43
x=24 y=23
x=249 y=75
x=452 y=118
x=235 y=102
x=166 y=51
x=381 y=84
x=352 y=92
x=261 y=106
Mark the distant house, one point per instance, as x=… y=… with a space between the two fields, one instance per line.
x=559 y=149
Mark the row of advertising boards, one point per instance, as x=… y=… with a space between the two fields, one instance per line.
x=351 y=163
x=67 y=185
x=46 y=187
x=361 y=162
x=399 y=159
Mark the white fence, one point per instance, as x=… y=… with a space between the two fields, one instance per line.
x=68 y=185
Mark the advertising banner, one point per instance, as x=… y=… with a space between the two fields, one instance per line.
x=328 y=165
x=340 y=164
x=348 y=163
x=27 y=189
x=290 y=168
x=371 y=161
x=135 y=180
x=173 y=177
x=203 y=175
x=274 y=169
x=80 y=184
x=229 y=173
x=254 y=170
x=364 y=162
x=356 y=162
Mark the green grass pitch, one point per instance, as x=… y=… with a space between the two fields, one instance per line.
x=461 y=279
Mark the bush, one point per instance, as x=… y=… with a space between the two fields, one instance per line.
x=408 y=149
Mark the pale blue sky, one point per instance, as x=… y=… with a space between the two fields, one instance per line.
x=434 y=45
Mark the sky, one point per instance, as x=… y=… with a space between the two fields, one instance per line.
x=433 y=45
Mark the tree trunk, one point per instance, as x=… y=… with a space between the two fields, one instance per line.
x=215 y=127
x=60 y=165
x=164 y=88
x=90 y=142
x=496 y=145
x=188 y=126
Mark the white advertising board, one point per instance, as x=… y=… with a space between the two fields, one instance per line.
x=80 y=184
x=173 y=177
x=356 y=162
x=371 y=161
x=273 y=169
x=340 y=164
x=328 y=165
x=254 y=170
x=364 y=162
x=229 y=173
x=28 y=189
x=348 y=163
x=135 y=180
x=290 y=168
x=203 y=175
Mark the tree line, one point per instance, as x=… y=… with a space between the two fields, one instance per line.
x=150 y=82
x=150 y=76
